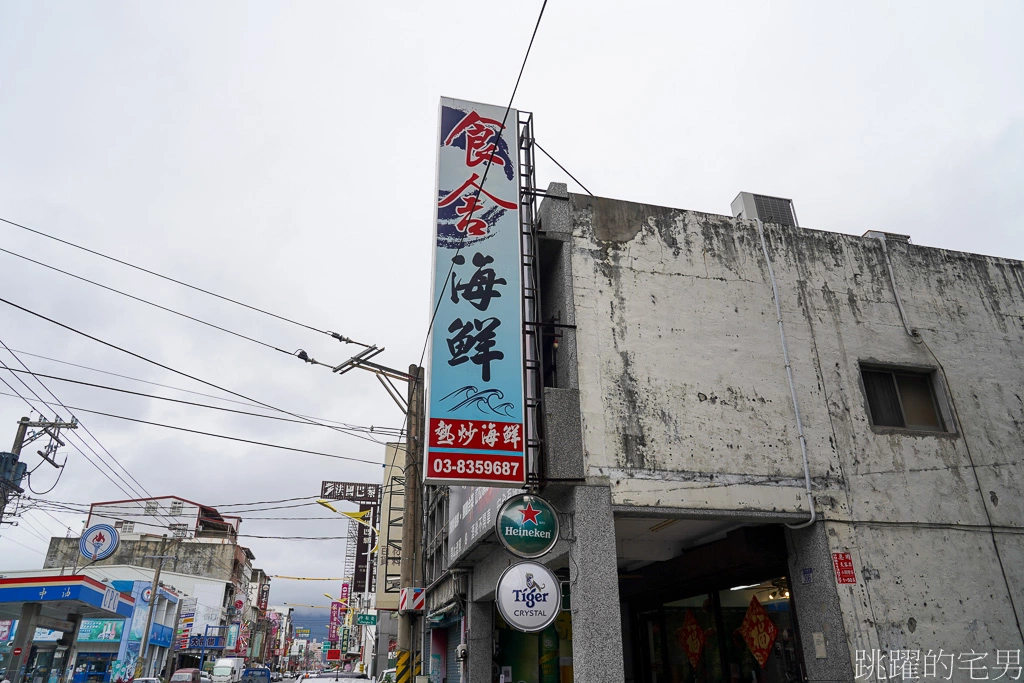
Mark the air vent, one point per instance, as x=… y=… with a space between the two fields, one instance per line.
x=776 y=210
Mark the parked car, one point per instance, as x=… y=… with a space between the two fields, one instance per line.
x=187 y=676
x=387 y=676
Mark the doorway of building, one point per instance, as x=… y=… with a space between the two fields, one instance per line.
x=720 y=613
x=740 y=634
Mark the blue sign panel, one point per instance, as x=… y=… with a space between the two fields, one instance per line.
x=475 y=433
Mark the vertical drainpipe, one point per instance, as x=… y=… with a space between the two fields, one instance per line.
x=792 y=385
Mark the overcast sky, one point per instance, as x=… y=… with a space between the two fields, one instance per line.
x=283 y=154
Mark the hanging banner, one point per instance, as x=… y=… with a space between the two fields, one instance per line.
x=343 y=599
x=475 y=384
x=332 y=627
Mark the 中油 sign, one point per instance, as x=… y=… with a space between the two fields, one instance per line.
x=527 y=525
x=98 y=542
x=528 y=596
x=475 y=390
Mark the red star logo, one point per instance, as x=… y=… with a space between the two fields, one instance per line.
x=529 y=514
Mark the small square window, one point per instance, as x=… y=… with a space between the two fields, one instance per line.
x=151 y=507
x=179 y=530
x=127 y=527
x=902 y=398
x=176 y=507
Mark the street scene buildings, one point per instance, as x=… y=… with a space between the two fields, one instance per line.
x=663 y=432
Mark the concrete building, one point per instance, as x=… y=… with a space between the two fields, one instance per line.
x=740 y=504
x=205 y=563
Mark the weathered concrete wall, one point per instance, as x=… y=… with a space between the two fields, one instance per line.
x=211 y=560
x=685 y=402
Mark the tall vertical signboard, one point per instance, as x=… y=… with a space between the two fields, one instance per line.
x=475 y=386
x=335 y=622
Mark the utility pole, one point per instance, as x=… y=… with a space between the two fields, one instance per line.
x=12 y=471
x=410 y=567
x=153 y=596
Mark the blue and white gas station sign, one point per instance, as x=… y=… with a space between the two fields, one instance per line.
x=99 y=542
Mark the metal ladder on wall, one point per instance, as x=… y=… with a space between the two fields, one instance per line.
x=533 y=372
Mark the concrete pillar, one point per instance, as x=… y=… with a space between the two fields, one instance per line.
x=818 y=611
x=480 y=641
x=23 y=640
x=596 y=622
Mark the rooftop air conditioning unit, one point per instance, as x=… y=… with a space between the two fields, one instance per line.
x=768 y=209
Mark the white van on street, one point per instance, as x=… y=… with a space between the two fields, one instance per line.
x=228 y=670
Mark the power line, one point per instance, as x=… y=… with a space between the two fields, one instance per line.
x=261 y=536
x=261 y=502
x=71 y=437
x=147 y=302
x=219 y=436
x=167 y=367
x=84 y=508
x=75 y=446
x=537 y=145
x=385 y=431
x=334 y=335
x=189 y=391
x=11 y=540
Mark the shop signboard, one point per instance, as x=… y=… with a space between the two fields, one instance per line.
x=528 y=596
x=343 y=596
x=366 y=619
x=475 y=430
x=527 y=526
x=472 y=511
x=264 y=597
x=100 y=630
x=335 y=622
x=843 y=563
x=232 y=640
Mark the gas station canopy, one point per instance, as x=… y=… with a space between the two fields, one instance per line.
x=61 y=596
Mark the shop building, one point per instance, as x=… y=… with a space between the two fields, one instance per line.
x=208 y=565
x=740 y=504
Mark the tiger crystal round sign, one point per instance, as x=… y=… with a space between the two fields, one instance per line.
x=527 y=525
x=528 y=596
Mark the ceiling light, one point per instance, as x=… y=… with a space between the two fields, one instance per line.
x=739 y=588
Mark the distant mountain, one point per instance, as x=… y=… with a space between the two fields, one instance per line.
x=313 y=619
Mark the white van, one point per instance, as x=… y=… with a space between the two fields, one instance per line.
x=228 y=670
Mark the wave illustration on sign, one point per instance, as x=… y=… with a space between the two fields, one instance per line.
x=483 y=400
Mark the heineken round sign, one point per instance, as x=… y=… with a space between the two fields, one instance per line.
x=528 y=596
x=527 y=525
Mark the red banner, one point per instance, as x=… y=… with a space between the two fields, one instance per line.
x=758 y=631
x=691 y=636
